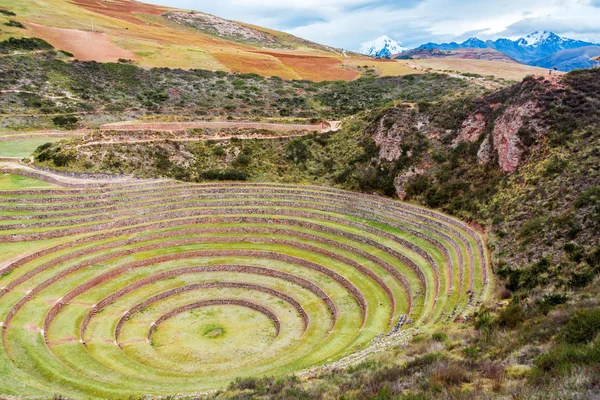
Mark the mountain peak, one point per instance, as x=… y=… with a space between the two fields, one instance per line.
x=383 y=46
x=538 y=37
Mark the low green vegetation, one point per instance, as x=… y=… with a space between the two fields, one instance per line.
x=23 y=147
x=118 y=88
x=25 y=44
x=17 y=182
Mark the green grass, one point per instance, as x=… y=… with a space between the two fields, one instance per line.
x=18 y=182
x=23 y=147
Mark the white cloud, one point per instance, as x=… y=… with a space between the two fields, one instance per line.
x=347 y=23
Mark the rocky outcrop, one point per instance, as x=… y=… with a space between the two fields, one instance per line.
x=471 y=129
x=505 y=136
x=402 y=180
x=391 y=130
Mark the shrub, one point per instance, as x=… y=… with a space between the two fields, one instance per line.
x=218 y=151
x=225 y=175
x=449 y=374
x=29 y=44
x=589 y=197
x=243 y=160
x=297 y=151
x=66 y=121
x=439 y=337
x=582 y=327
x=8 y=13
x=14 y=24
x=512 y=316
x=564 y=356
x=550 y=301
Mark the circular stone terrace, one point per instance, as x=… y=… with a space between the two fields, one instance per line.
x=161 y=287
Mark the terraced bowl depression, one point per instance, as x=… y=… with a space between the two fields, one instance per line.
x=164 y=287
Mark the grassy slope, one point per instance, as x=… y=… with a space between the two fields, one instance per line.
x=138 y=31
x=16 y=182
x=155 y=41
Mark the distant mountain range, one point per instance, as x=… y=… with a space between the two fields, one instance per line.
x=382 y=47
x=540 y=48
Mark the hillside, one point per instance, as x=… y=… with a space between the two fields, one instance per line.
x=466 y=53
x=567 y=60
x=153 y=36
x=39 y=87
x=156 y=36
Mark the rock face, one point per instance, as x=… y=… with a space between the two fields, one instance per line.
x=471 y=129
x=221 y=27
x=510 y=122
x=392 y=129
x=402 y=180
x=505 y=137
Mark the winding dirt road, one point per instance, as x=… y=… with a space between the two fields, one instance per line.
x=330 y=126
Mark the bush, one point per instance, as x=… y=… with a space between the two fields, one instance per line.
x=512 y=316
x=564 y=356
x=582 y=327
x=66 y=121
x=219 y=151
x=29 y=44
x=243 y=160
x=449 y=374
x=8 y=13
x=297 y=151
x=589 y=197
x=225 y=175
x=439 y=337
x=14 y=24
x=550 y=301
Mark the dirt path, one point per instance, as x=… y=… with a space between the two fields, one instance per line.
x=180 y=126
x=330 y=126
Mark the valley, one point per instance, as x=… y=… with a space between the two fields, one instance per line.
x=198 y=208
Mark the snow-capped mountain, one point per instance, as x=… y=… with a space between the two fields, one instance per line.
x=381 y=47
x=531 y=49
x=537 y=38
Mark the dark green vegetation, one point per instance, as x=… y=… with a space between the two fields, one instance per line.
x=56 y=86
x=24 y=44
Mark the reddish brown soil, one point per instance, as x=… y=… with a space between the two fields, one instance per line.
x=122 y=9
x=315 y=68
x=85 y=46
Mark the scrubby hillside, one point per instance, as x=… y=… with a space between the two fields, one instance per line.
x=36 y=87
x=156 y=36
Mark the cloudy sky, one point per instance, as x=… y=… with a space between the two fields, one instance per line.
x=348 y=23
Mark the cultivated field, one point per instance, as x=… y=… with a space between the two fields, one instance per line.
x=163 y=287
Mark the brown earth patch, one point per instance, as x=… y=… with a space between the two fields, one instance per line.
x=121 y=9
x=85 y=46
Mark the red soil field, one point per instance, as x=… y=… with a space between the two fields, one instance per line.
x=121 y=9
x=86 y=46
x=315 y=68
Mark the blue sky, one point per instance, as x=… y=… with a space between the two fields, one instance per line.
x=348 y=23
